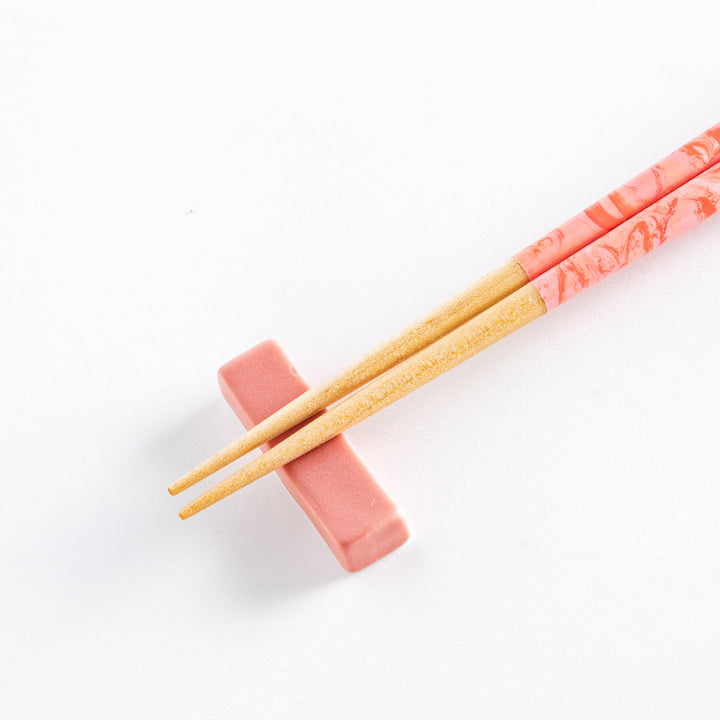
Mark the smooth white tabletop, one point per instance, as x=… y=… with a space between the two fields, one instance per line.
x=180 y=181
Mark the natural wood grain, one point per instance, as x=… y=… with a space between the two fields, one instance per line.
x=479 y=296
x=488 y=327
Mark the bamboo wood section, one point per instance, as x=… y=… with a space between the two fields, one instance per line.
x=476 y=298
x=495 y=323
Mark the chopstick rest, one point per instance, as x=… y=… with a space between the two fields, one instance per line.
x=352 y=513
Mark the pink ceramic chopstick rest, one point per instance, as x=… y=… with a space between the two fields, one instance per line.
x=331 y=484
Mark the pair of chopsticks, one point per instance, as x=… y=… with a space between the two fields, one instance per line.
x=665 y=200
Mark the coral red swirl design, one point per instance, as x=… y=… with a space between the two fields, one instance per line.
x=679 y=211
x=622 y=204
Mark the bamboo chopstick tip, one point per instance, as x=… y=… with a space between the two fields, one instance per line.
x=195 y=507
x=188 y=511
x=179 y=485
x=185 y=482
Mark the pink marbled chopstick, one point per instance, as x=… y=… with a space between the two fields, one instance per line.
x=622 y=204
x=615 y=208
x=681 y=210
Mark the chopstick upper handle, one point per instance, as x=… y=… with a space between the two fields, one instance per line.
x=679 y=211
x=648 y=187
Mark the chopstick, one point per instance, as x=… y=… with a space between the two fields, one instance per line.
x=677 y=212
x=592 y=223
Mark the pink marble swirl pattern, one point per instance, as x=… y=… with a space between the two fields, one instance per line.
x=620 y=205
x=677 y=212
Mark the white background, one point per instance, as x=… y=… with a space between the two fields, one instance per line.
x=179 y=181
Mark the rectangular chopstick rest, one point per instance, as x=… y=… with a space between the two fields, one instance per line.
x=336 y=491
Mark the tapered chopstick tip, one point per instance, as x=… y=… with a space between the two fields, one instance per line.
x=186 y=512
x=186 y=481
